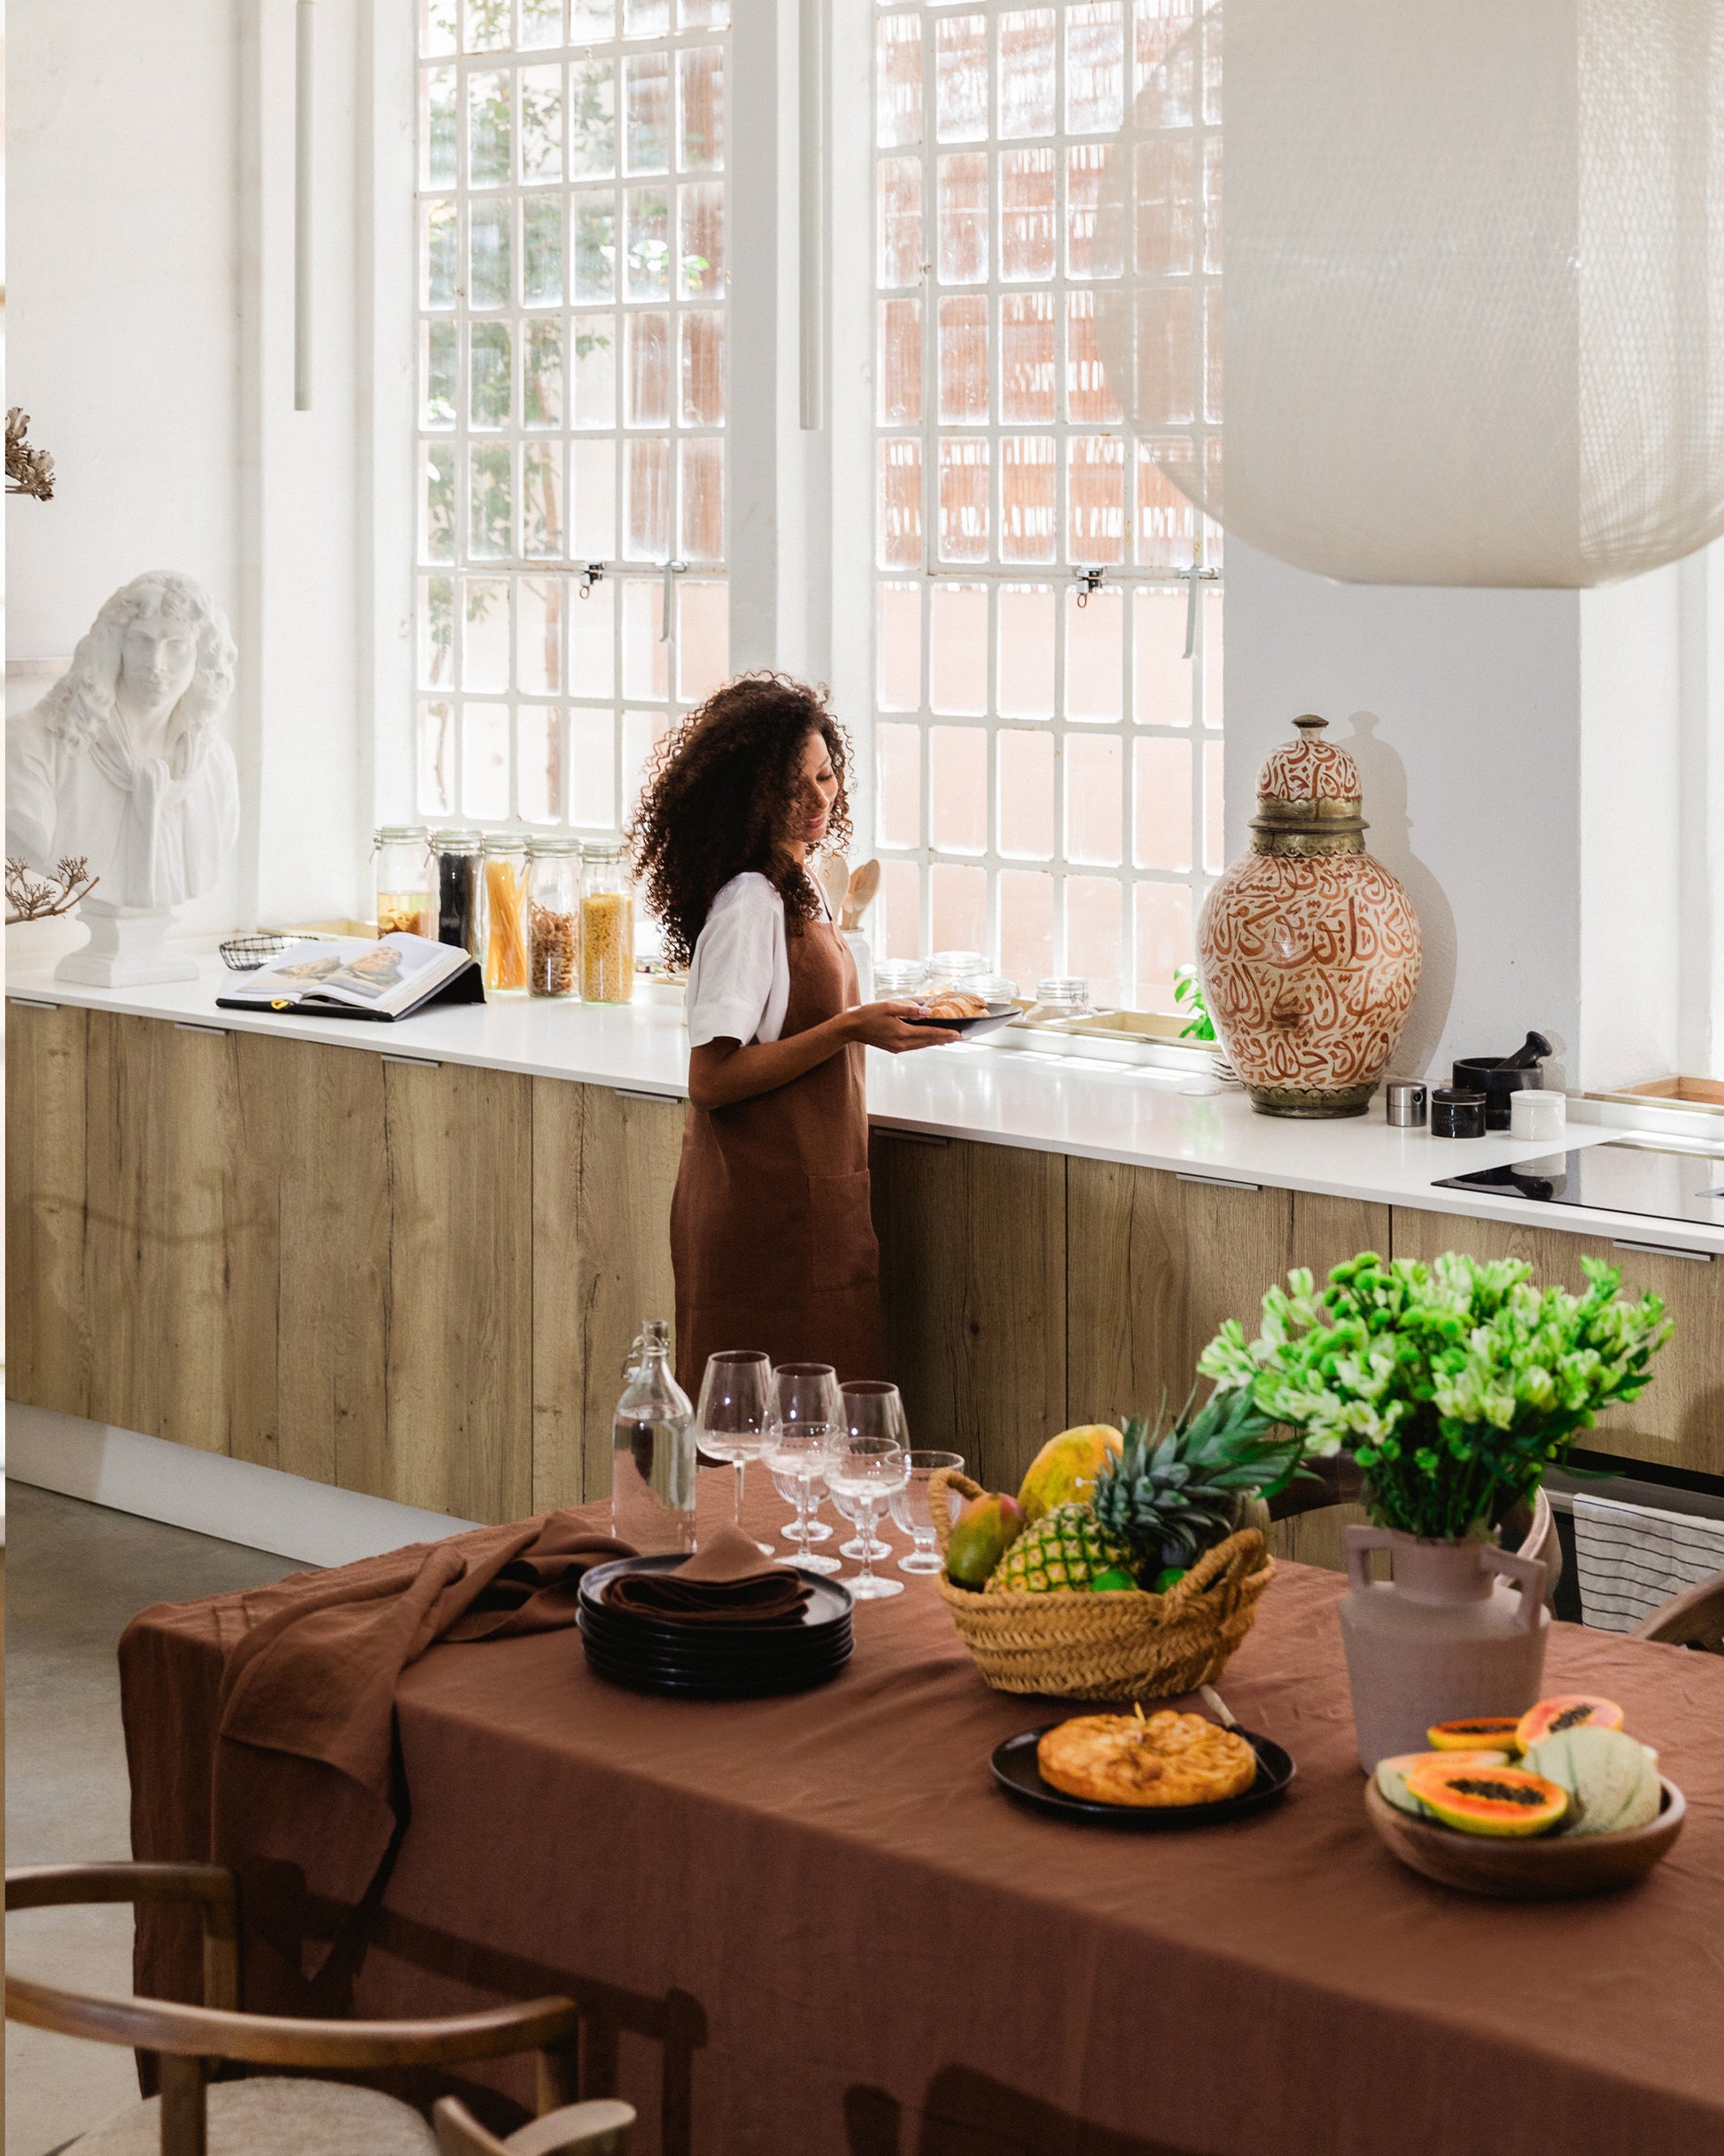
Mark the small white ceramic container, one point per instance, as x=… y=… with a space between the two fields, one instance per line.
x=1538 y=1115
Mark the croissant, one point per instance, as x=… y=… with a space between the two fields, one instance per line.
x=955 y=1003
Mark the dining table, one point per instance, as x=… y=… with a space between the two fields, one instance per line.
x=814 y=1925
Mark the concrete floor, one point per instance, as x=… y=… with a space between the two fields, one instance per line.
x=76 y=1575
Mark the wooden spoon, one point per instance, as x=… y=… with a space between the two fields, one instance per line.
x=860 y=896
x=835 y=881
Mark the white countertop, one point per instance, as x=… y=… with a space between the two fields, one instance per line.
x=1144 y=1117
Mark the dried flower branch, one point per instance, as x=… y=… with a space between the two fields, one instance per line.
x=28 y=471
x=31 y=897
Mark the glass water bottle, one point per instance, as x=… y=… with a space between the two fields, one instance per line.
x=652 y=1451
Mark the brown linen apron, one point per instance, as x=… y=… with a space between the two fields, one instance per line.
x=771 y=1235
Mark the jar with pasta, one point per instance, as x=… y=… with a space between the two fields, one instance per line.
x=407 y=901
x=554 y=916
x=606 y=926
x=506 y=914
x=458 y=910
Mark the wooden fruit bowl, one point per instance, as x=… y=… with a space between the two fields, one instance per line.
x=1541 y=1868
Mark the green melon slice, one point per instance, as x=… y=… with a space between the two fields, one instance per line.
x=1612 y=1781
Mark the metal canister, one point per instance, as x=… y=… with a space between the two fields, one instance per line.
x=1403 y=1103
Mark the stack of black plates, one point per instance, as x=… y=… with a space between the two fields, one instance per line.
x=712 y=1661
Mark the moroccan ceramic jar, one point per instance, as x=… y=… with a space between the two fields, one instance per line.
x=1309 y=949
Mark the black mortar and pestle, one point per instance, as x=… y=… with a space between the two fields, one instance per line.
x=1500 y=1077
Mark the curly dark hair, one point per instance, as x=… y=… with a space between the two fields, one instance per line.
x=721 y=796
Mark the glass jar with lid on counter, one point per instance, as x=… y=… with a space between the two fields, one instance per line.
x=407 y=900
x=607 y=925
x=1063 y=998
x=458 y=853
x=506 y=913
x=554 y=915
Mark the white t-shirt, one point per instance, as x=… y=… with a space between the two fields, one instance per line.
x=738 y=977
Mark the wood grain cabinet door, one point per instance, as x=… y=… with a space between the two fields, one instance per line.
x=47 y=1344
x=1678 y=1421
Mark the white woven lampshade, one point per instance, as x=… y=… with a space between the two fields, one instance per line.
x=1471 y=283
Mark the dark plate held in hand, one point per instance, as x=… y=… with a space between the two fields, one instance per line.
x=1015 y=1771
x=989 y=1021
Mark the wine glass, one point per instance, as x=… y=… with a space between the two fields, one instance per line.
x=913 y=1508
x=873 y=1408
x=806 y=1407
x=734 y=1411
x=867 y=1470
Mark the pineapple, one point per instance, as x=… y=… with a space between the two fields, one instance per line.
x=1164 y=1500
x=1064 y=1548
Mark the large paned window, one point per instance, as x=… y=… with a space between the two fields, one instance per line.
x=1048 y=691
x=571 y=397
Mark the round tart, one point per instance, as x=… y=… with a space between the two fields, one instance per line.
x=1127 y=1759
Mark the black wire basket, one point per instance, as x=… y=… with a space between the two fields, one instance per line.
x=250 y=953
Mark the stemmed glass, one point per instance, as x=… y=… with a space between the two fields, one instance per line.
x=878 y=1412
x=734 y=1412
x=805 y=1413
x=914 y=1511
x=866 y=1465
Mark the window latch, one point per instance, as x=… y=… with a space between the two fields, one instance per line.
x=593 y=573
x=1191 y=578
x=1088 y=581
x=672 y=570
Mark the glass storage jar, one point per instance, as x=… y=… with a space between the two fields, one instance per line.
x=457 y=853
x=958 y=970
x=554 y=916
x=407 y=900
x=506 y=913
x=606 y=926
x=1066 y=997
x=896 y=978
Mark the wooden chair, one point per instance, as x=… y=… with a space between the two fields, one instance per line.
x=1695 y=1618
x=598 y=2129
x=279 y=2115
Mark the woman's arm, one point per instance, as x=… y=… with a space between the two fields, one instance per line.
x=724 y=1071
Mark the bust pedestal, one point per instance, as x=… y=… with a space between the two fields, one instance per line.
x=127 y=946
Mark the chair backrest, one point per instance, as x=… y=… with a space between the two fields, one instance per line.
x=1695 y=1618
x=602 y=2128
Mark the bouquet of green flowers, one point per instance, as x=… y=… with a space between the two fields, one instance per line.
x=1453 y=1384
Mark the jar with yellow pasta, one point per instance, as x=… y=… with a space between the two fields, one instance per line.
x=606 y=926
x=506 y=914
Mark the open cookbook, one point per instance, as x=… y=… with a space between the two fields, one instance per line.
x=352 y=976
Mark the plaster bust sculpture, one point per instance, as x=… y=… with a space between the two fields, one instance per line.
x=122 y=761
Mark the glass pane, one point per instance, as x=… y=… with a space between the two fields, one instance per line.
x=1162 y=692
x=960 y=78
x=898 y=519
x=647 y=109
x=1166 y=522
x=1095 y=479
x=484 y=760
x=437 y=501
x=703 y=14
x=963 y=359
x=1088 y=253
x=702 y=368
x=438 y=255
x=703 y=638
x=437 y=25
x=1161 y=24
x=436 y=759
x=898 y=647
x=1026 y=795
x=646 y=654
x=958 y=791
x=1212 y=355
x=1026 y=74
x=438 y=125
x=488 y=390
x=541 y=22
x=1165 y=356
x=436 y=631
x=542 y=250
x=703 y=240
x=1162 y=805
x=591 y=633
x=595 y=247
x=1026 y=927
x=1094 y=658
x=488 y=275
x=1029 y=517
x=898 y=209
x=702 y=500
x=1090 y=398
x=595 y=370
x=592 y=770
x=1026 y=215
x=1026 y=357
x=484 y=632
x=642 y=731
x=542 y=501
x=1093 y=932
x=898 y=785
x=1211 y=203
x=538 y=764
x=437 y=361
x=592 y=22
x=487 y=25
x=1215 y=810
x=1095 y=68
x=897 y=80
x=1164 y=206
x=647 y=497
x=645 y=17
x=592 y=118
x=900 y=914
x=1026 y=651
x=541 y=373
x=488 y=130
x=489 y=521
x=1164 y=942
x=958 y=630
x=964 y=489
x=593 y=501
x=701 y=78
x=959 y=898
x=899 y=369
x=538 y=634
x=1212 y=606
x=648 y=242
x=647 y=400
x=1094 y=798
x=541 y=123
x=963 y=184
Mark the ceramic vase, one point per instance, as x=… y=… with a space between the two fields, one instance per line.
x=1458 y=1630
x=1308 y=950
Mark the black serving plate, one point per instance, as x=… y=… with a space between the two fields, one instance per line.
x=700 y=1658
x=747 y=1682
x=1015 y=1771
x=829 y=1605
x=989 y=1021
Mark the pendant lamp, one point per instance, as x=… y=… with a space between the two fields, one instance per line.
x=1471 y=283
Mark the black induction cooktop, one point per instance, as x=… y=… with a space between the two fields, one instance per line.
x=1619 y=1176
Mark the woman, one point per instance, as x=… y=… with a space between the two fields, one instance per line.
x=771 y=1237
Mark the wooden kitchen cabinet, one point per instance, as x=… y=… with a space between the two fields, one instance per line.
x=973 y=1278
x=48 y=1317
x=1678 y=1421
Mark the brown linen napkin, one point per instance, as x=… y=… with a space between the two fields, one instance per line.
x=728 y=1581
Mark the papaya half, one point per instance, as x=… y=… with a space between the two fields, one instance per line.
x=1478 y=1733
x=1571 y=1710
x=1392 y=1774
x=1488 y=1800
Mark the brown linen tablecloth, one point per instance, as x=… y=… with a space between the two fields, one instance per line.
x=819 y=1927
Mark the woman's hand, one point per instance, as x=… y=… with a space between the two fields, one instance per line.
x=882 y=1025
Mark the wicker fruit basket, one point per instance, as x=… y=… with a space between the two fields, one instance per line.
x=1124 y=1646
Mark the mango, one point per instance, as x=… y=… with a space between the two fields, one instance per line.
x=1064 y=1471
x=982 y=1535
